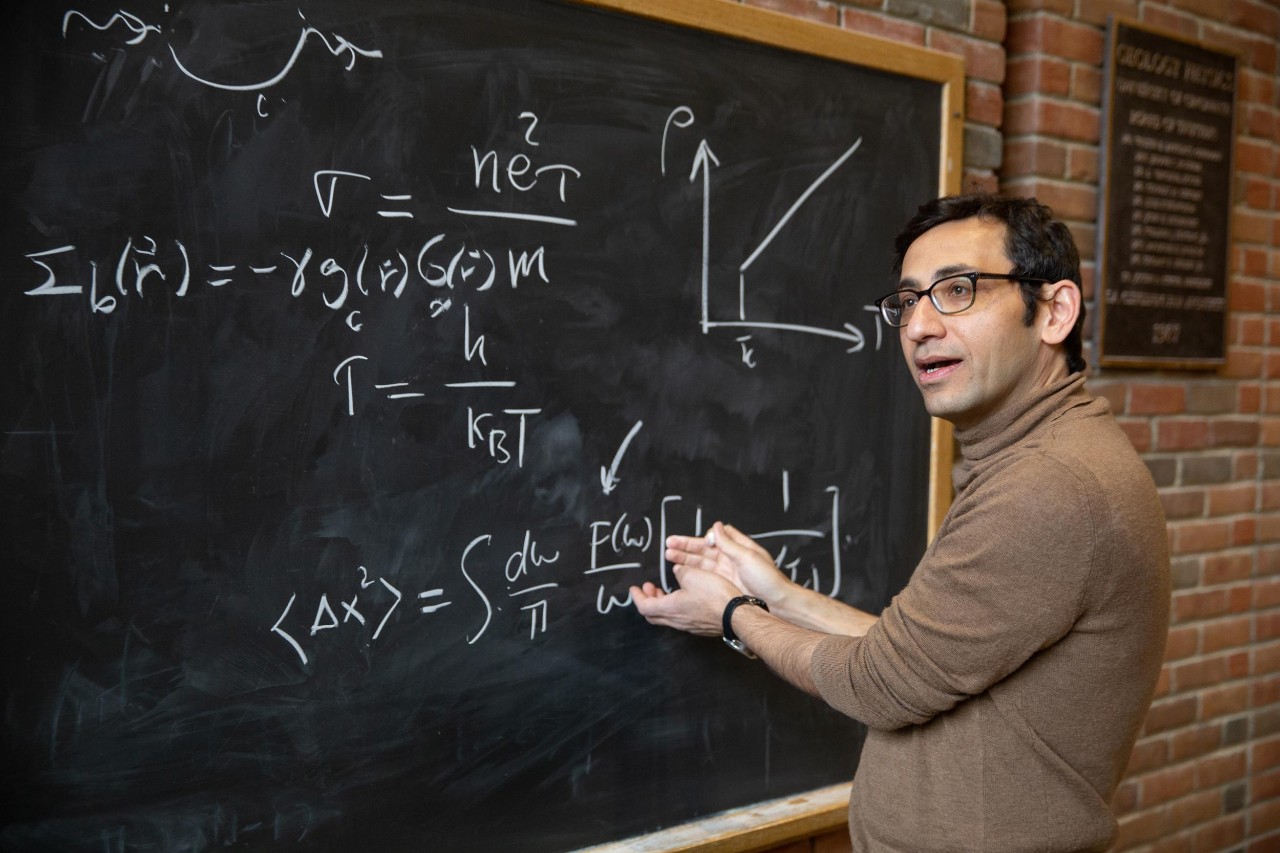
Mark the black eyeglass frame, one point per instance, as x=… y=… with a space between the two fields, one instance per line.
x=928 y=291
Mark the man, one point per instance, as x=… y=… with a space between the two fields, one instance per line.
x=1004 y=687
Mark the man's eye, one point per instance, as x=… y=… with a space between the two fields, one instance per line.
x=959 y=289
x=908 y=301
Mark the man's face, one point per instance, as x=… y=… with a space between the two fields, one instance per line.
x=969 y=365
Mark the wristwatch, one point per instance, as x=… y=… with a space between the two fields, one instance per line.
x=730 y=638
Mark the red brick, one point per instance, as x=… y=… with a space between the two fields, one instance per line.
x=879 y=25
x=1125 y=799
x=1069 y=201
x=1137 y=829
x=1162 y=399
x=1056 y=36
x=1253 y=156
x=1194 y=537
x=1247 y=296
x=1082 y=165
x=1223 y=701
x=1264 y=754
x=1097 y=11
x=813 y=10
x=1255 y=192
x=1221 y=834
x=1260 y=121
x=1138 y=432
x=1250 y=398
x=1166 y=785
x=1167 y=19
x=984 y=103
x=1185 y=503
x=1266 y=658
x=1195 y=742
x=1199 y=604
x=1086 y=84
x=1242 y=364
x=1264 y=786
x=1196 y=809
x=989 y=20
x=1183 y=642
x=1148 y=754
x=1253 y=15
x=982 y=60
x=1264 y=691
x=1250 y=227
x=1248 y=331
x=1263 y=844
x=1228 y=633
x=1200 y=673
x=1038 y=74
x=1056 y=118
x=979 y=181
x=1269 y=527
x=1169 y=714
x=1220 y=769
x=1244 y=531
x=1226 y=568
x=1182 y=434
x=1034 y=155
x=1231 y=500
x=1266 y=593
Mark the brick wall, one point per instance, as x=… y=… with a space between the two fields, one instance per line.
x=1205 y=774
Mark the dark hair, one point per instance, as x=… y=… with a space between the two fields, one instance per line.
x=1039 y=246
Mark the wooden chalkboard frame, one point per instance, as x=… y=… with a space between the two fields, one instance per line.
x=803 y=815
x=1113 y=351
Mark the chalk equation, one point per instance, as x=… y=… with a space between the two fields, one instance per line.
x=439 y=256
x=529 y=577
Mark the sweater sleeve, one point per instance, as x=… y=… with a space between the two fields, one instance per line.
x=1004 y=578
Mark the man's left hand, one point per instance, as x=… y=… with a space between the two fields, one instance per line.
x=696 y=607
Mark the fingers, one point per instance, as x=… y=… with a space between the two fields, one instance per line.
x=691 y=551
x=735 y=538
x=646 y=590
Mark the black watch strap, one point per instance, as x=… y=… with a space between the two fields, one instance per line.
x=730 y=638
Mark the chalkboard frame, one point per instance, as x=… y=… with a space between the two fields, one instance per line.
x=1112 y=350
x=803 y=815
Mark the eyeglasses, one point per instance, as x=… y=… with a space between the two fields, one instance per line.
x=950 y=295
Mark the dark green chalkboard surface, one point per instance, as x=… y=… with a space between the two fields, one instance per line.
x=357 y=358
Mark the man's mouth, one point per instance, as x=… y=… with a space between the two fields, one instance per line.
x=934 y=367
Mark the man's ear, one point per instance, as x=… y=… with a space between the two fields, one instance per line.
x=1062 y=303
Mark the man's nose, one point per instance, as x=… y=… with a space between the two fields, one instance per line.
x=925 y=322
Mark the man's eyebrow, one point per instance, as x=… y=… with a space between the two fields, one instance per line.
x=950 y=270
x=938 y=275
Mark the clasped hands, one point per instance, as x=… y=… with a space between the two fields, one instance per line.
x=711 y=570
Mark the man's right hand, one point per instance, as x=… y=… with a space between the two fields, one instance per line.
x=734 y=555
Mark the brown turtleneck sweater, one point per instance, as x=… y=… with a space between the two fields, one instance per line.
x=1005 y=685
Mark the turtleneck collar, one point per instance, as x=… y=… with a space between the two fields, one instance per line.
x=1015 y=422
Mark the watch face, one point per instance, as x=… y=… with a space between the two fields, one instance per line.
x=739 y=646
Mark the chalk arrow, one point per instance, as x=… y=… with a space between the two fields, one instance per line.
x=609 y=476
x=702 y=163
x=855 y=335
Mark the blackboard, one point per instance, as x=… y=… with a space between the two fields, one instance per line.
x=357 y=359
x=1164 y=216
